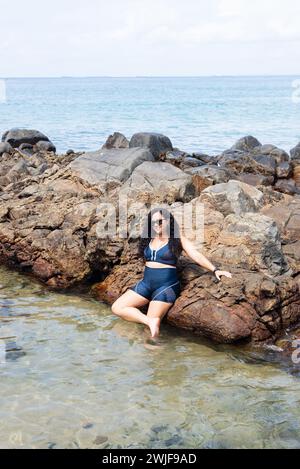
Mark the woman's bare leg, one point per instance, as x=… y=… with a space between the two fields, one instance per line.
x=126 y=306
x=155 y=314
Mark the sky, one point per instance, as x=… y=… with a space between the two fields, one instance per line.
x=149 y=37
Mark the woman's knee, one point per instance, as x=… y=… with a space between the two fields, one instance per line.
x=116 y=308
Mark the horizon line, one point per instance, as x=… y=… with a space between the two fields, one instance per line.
x=153 y=76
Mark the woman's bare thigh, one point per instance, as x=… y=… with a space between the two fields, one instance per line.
x=131 y=298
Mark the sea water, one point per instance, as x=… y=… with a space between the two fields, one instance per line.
x=198 y=114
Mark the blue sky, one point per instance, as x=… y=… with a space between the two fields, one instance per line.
x=143 y=37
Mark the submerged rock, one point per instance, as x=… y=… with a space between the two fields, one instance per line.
x=13 y=351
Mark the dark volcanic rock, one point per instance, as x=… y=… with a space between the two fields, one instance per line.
x=45 y=146
x=265 y=163
x=247 y=143
x=157 y=143
x=15 y=137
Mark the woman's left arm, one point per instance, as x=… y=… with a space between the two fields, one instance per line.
x=196 y=256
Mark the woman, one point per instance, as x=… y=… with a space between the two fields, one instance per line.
x=161 y=245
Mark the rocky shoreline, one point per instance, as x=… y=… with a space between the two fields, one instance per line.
x=50 y=218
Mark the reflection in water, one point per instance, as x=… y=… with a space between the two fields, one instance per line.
x=73 y=375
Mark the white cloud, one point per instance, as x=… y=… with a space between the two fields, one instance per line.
x=129 y=37
x=260 y=20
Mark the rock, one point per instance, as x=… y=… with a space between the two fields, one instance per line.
x=109 y=168
x=283 y=170
x=45 y=146
x=296 y=174
x=43 y=269
x=116 y=140
x=189 y=161
x=15 y=137
x=207 y=159
x=266 y=160
x=241 y=162
x=100 y=439
x=53 y=208
x=17 y=170
x=246 y=144
x=271 y=196
x=208 y=175
x=250 y=306
x=5 y=147
x=80 y=217
x=26 y=146
x=255 y=179
x=233 y=197
x=213 y=174
x=212 y=319
x=29 y=191
x=174 y=157
x=295 y=152
x=279 y=155
x=287 y=186
x=275 y=157
x=286 y=214
x=292 y=254
x=158 y=182
x=252 y=241
x=266 y=164
x=42 y=168
x=157 y=143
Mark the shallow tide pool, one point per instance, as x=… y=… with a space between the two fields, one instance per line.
x=73 y=375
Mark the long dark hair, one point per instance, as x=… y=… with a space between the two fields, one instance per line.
x=173 y=231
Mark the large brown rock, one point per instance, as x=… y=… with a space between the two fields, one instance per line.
x=250 y=306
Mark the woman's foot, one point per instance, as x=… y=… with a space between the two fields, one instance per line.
x=153 y=324
x=152 y=344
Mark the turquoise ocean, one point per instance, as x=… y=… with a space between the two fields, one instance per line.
x=206 y=114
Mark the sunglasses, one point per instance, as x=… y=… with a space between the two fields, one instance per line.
x=158 y=222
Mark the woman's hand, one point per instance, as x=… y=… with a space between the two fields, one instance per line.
x=219 y=273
